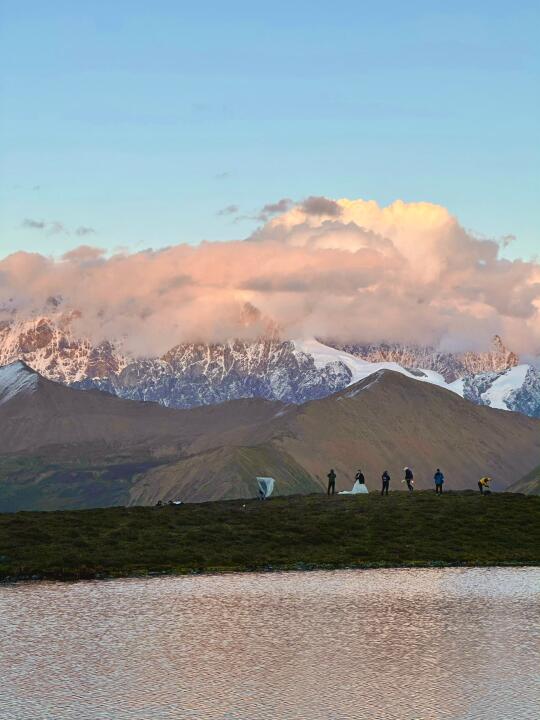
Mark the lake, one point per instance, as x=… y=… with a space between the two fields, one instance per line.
x=426 y=644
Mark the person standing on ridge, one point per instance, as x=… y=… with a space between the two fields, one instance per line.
x=439 y=479
x=331 y=482
x=483 y=485
x=385 y=482
x=409 y=478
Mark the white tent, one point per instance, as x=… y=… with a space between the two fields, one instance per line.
x=266 y=487
x=357 y=489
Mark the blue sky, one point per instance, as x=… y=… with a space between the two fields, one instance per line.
x=141 y=120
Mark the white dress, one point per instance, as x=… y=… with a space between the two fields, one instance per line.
x=357 y=489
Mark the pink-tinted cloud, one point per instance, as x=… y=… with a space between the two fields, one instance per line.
x=347 y=269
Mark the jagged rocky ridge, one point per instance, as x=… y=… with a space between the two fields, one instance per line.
x=190 y=375
x=50 y=347
x=269 y=368
x=452 y=366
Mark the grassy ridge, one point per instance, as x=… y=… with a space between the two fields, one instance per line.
x=299 y=531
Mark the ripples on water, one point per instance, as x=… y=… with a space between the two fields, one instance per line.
x=403 y=644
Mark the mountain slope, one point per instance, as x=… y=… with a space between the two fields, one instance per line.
x=224 y=473
x=62 y=447
x=67 y=448
x=41 y=416
x=530 y=484
x=389 y=421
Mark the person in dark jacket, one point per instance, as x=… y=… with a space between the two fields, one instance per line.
x=360 y=477
x=331 y=482
x=409 y=478
x=439 y=480
x=385 y=482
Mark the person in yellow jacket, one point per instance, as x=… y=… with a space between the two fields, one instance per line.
x=483 y=485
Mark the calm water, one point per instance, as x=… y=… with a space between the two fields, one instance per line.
x=404 y=644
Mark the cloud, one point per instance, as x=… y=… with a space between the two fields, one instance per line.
x=310 y=206
x=321 y=206
x=83 y=230
x=229 y=210
x=280 y=206
x=407 y=272
x=84 y=254
x=34 y=224
x=55 y=227
x=271 y=209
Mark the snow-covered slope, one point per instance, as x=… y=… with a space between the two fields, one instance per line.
x=323 y=355
x=505 y=384
x=517 y=389
x=452 y=366
x=16 y=379
x=526 y=398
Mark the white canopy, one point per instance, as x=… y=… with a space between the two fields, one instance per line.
x=266 y=486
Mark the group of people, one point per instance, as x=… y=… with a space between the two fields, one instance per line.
x=438 y=479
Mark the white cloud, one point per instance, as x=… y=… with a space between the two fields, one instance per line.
x=347 y=268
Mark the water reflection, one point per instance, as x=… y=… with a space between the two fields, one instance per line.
x=403 y=644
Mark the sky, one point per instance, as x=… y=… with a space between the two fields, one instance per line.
x=134 y=125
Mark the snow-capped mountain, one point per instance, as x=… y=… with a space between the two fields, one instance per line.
x=451 y=366
x=517 y=388
x=16 y=379
x=359 y=368
x=50 y=347
x=514 y=387
x=193 y=374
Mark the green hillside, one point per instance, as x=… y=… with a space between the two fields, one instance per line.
x=298 y=531
x=37 y=483
x=530 y=484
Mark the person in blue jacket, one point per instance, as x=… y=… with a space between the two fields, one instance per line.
x=439 y=479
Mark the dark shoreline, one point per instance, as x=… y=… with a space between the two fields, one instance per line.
x=298 y=533
x=434 y=565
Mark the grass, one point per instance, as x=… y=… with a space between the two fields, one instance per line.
x=281 y=533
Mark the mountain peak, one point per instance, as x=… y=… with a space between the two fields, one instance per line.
x=269 y=367
x=15 y=379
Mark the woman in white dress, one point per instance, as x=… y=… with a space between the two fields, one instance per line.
x=359 y=487
x=359 y=483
